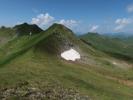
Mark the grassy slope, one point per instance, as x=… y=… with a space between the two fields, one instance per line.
x=40 y=66
x=113 y=46
x=5 y=35
x=43 y=67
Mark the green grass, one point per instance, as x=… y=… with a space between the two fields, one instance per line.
x=112 y=46
x=42 y=67
x=6 y=34
x=21 y=59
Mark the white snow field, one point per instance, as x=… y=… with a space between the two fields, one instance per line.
x=70 y=55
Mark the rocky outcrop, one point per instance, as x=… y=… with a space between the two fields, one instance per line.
x=26 y=91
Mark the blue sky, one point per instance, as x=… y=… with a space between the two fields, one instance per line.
x=104 y=16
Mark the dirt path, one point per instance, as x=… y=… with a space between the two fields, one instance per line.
x=122 y=81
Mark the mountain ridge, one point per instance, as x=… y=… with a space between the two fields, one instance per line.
x=36 y=60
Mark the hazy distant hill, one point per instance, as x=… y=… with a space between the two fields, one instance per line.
x=120 y=35
x=117 y=47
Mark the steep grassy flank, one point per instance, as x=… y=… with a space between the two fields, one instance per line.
x=113 y=46
x=60 y=39
x=18 y=46
x=6 y=34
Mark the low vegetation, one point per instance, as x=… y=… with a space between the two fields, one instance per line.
x=31 y=68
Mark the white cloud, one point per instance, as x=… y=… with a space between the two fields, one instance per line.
x=43 y=19
x=69 y=23
x=130 y=8
x=94 y=28
x=122 y=22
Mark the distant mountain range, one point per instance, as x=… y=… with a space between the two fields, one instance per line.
x=121 y=47
x=121 y=35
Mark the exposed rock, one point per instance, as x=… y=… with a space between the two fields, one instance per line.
x=26 y=91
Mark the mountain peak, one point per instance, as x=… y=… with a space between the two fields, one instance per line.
x=60 y=38
x=26 y=29
x=60 y=28
x=57 y=25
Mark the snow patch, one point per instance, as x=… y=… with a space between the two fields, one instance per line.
x=114 y=63
x=71 y=55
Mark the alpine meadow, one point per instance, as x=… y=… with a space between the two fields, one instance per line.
x=66 y=50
